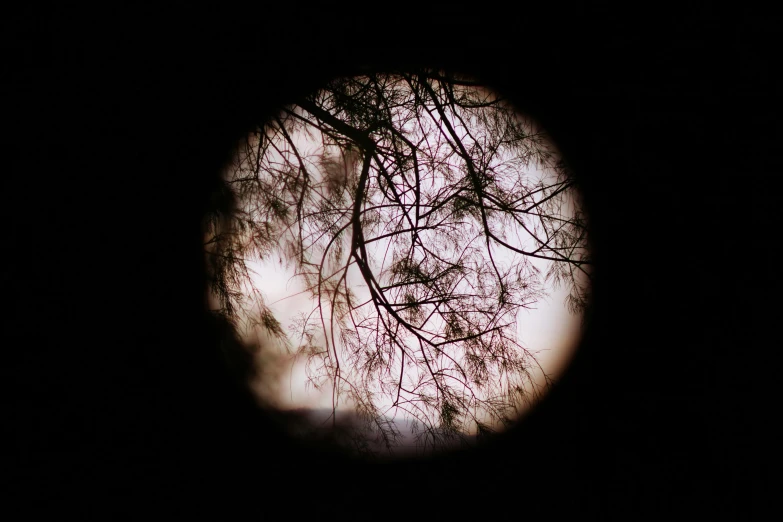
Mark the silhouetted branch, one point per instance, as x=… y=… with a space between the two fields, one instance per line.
x=423 y=187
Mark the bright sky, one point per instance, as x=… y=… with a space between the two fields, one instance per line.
x=549 y=330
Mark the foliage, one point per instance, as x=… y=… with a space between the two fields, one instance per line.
x=435 y=194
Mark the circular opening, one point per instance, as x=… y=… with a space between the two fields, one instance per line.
x=407 y=258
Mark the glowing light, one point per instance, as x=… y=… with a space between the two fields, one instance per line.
x=358 y=231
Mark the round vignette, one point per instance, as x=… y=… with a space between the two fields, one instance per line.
x=403 y=142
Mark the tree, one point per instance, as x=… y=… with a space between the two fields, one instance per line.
x=422 y=187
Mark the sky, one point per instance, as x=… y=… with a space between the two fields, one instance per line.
x=548 y=330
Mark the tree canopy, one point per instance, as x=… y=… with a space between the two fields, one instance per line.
x=444 y=203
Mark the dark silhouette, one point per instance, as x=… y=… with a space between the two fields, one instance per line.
x=117 y=124
x=436 y=195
